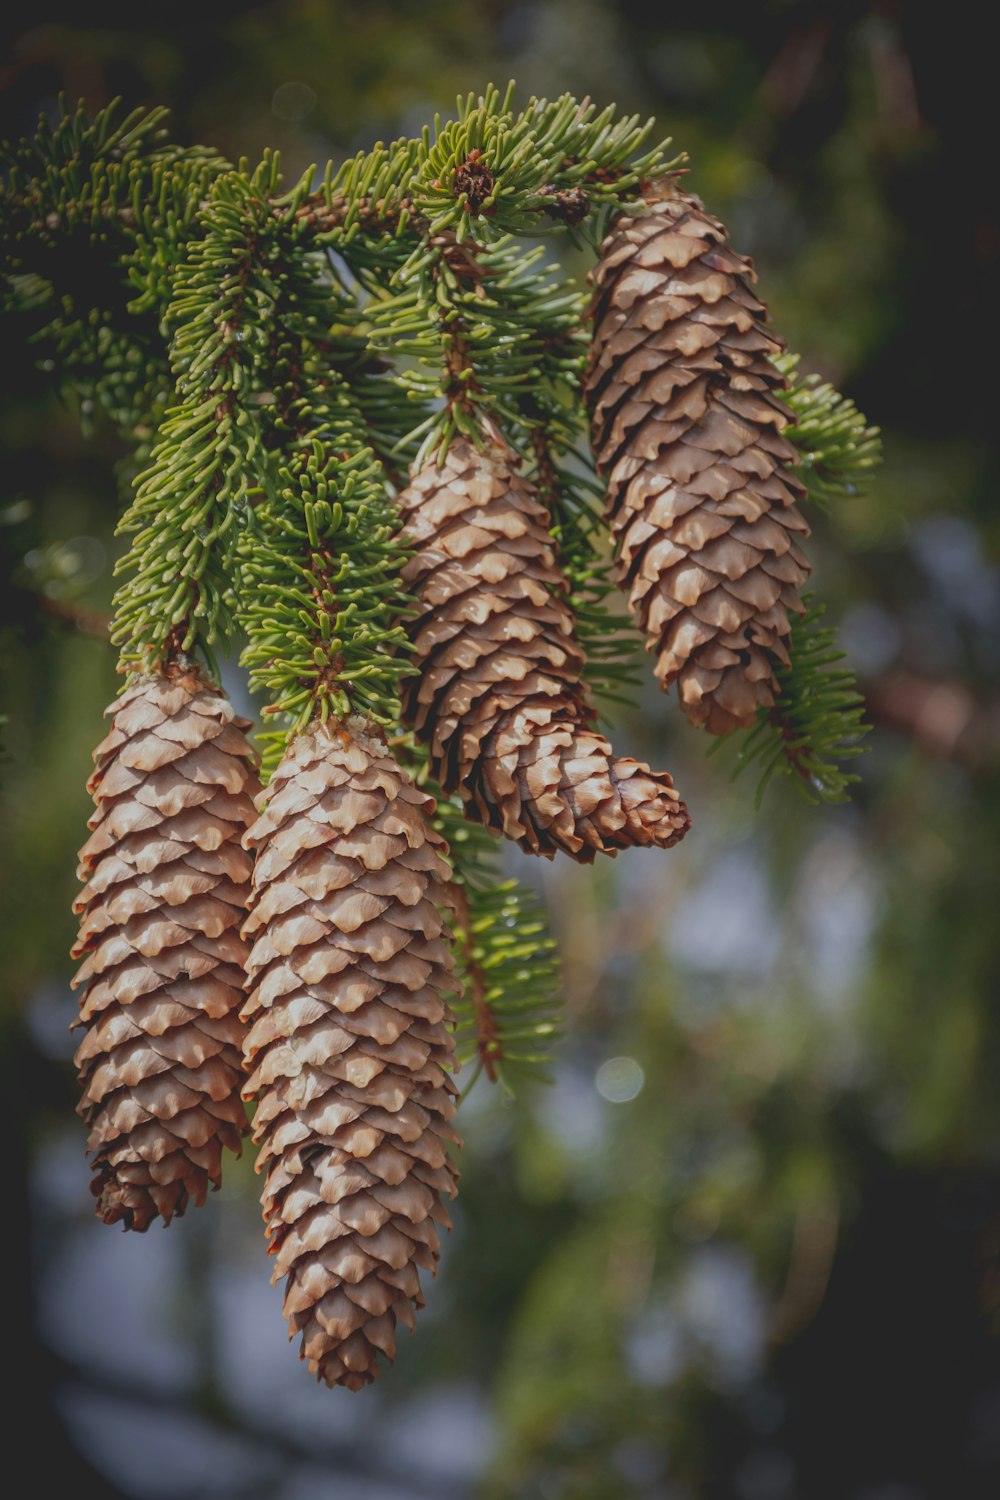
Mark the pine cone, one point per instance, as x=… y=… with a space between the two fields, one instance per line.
x=688 y=429
x=499 y=699
x=350 y=1043
x=166 y=889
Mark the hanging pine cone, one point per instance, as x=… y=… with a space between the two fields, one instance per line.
x=499 y=699
x=166 y=888
x=350 y=1043
x=688 y=429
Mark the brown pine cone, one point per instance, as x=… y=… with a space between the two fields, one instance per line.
x=350 y=1044
x=499 y=699
x=166 y=889
x=689 y=431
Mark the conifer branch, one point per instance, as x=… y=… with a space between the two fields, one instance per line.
x=547 y=314
x=280 y=358
x=817 y=720
x=816 y=723
x=505 y=172
x=188 y=504
x=489 y=1048
x=319 y=557
x=336 y=393
x=96 y=211
x=509 y=1012
x=839 y=448
x=510 y=1009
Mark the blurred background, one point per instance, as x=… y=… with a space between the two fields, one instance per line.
x=746 y=1244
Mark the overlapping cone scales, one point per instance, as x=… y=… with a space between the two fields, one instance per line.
x=689 y=431
x=166 y=887
x=499 y=699
x=349 y=1045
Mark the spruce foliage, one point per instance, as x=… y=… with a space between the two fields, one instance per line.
x=508 y=1013
x=817 y=723
x=279 y=359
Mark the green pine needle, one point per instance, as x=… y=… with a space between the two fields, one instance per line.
x=192 y=499
x=508 y=1015
x=510 y=1010
x=278 y=359
x=839 y=450
x=817 y=722
x=319 y=557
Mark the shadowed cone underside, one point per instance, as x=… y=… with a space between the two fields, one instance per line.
x=349 y=1045
x=166 y=886
x=688 y=428
x=499 y=698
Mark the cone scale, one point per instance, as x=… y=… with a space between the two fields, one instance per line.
x=500 y=700
x=687 y=426
x=349 y=1045
x=166 y=886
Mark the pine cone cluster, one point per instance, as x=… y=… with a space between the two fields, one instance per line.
x=350 y=1046
x=688 y=428
x=499 y=699
x=292 y=946
x=166 y=888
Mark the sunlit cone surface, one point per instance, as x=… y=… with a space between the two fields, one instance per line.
x=688 y=429
x=499 y=699
x=166 y=888
x=350 y=1045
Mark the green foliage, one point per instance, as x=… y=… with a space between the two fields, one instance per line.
x=106 y=372
x=521 y=165
x=75 y=170
x=190 y=502
x=628 y=1367
x=509 y=1011
x=493 y=338
x=839 y=449
x=319 y=574
x=166 y=202
x=278 y=360
x=319 y=557
x=546 y=314
x=817 y=721
x=97 y=210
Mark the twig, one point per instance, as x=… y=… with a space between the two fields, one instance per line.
x=86 y=621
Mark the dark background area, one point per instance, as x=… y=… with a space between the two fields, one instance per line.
x=746 y=1245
